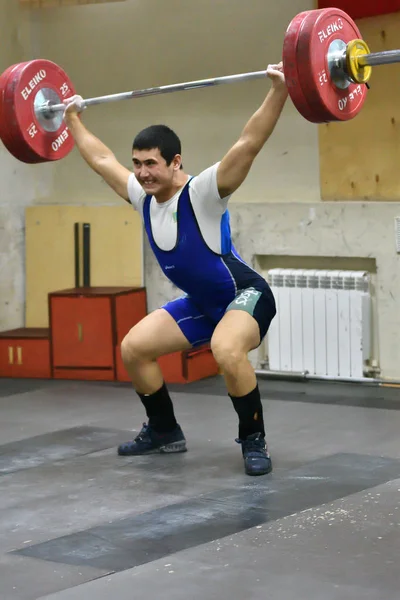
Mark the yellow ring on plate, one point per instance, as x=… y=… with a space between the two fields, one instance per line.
x=358 y=73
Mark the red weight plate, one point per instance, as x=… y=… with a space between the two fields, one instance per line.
x=319 y=30
x=12 y=143
x=289 y=58
x=32 y=137
x=34 y=83
x=3 y=114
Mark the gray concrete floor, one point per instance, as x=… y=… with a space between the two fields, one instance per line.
x=79 y=522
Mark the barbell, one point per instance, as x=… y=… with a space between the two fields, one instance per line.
x=326 y=65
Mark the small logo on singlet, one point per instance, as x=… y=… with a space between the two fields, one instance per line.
x=246 y=296
x=169 y=267
x=175 y=216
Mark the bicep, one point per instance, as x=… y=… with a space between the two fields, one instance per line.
x=234 y=167
x=115 y=175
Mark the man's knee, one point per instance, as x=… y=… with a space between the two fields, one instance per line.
x=226 y=355
x=133 y=349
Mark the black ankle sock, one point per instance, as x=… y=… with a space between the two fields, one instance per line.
x=250 y=412
x=159 y=410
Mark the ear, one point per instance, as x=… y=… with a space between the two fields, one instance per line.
x=176 y=162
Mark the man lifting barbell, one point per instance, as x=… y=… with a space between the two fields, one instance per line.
x=226 y=303
x=326 y=69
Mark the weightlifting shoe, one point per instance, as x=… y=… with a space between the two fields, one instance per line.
x=257 y=460
x=150 y=442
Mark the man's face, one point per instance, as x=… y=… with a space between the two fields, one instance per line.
x=152 y=171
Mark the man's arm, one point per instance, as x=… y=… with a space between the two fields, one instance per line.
x=236 y=164
x=95 y=153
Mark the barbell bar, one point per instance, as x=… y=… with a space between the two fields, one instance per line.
x=47 y=109
x=325 y=61
x=387 y=57
x=366 y=60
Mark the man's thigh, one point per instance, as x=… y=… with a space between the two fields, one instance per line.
x=259 y=308
x=155 y=335
x=195 y=326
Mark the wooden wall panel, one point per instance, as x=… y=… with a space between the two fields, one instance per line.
x=360 y=159
x=116 y=251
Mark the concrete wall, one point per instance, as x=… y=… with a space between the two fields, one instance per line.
x=151 y=43
x=21 y=184
x=115 y=47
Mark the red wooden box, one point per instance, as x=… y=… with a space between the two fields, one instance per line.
x=25 y=352
x=178 y=367
x=86 y=325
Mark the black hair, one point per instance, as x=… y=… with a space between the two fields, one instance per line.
x=161 y=137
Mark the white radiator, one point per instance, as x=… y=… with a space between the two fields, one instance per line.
x=323 y=322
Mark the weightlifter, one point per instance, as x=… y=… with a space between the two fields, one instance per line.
x=225 y=302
